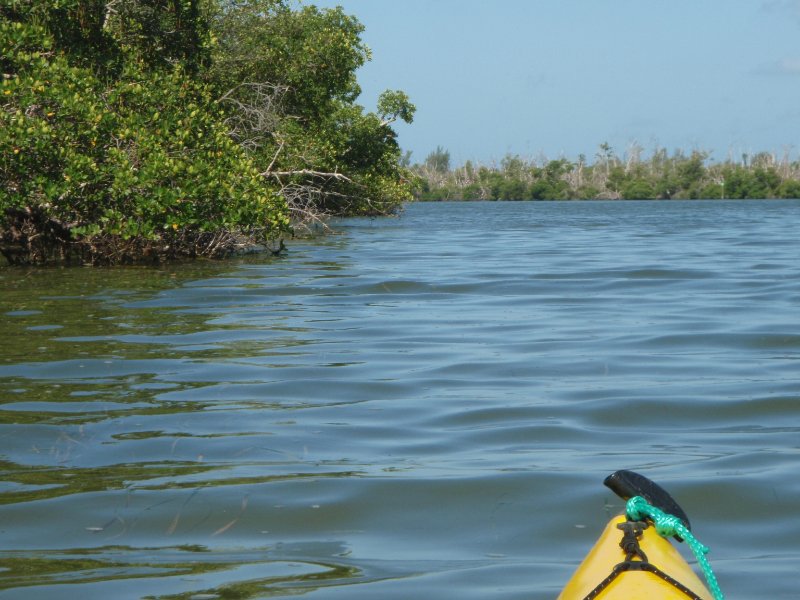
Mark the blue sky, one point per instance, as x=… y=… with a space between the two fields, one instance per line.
x=560 y=77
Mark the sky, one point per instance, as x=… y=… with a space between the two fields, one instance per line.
x=557 y=78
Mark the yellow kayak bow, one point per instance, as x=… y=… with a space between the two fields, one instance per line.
x=633 y=559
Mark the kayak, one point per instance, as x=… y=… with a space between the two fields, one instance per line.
x=631 y=560
x=636 y=584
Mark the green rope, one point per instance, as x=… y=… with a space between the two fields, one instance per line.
x=666 y=526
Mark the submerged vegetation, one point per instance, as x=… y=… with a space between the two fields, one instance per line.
x=144 y=130
x=632 y=177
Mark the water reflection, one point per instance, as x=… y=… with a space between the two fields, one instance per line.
x=189 y=572
x=424 y=405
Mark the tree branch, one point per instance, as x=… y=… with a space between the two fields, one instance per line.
x=308 y=172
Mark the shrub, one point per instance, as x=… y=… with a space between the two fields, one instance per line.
x=136 y=167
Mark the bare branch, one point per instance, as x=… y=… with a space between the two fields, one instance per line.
x=274 y=158
x=257 y=112
x=307 y=172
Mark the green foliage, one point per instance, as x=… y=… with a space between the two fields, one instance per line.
x=755 y=182
x=513 y=167
x=74 y=27
x=660 y=177
x=438 y=160
x=313 y=53
x=690 y=172
x=616 y=179
x=292 y=74
x=144 y=155
x=512 y=189
x=162 y=33
x=549 y=183
x=586 y=192
x=493 y=181
x=159 y=160
x=359 y=144
x=395 y=104
x=545 y=189
x=712 y=191
x=789 y=188
x=472 y=191
x=637 y=189
x=124 y=121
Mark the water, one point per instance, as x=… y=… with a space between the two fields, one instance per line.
x=417 y=405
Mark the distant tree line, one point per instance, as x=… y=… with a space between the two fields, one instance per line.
x=143 y=130
x=661 y=175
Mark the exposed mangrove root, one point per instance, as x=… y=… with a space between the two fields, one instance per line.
x=29 y=237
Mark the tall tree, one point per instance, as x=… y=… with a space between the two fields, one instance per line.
x=288 y=80
x=438 y=160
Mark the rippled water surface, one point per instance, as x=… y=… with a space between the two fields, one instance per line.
x=423 y=405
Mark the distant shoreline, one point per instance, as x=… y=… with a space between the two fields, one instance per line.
x=661 y=176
